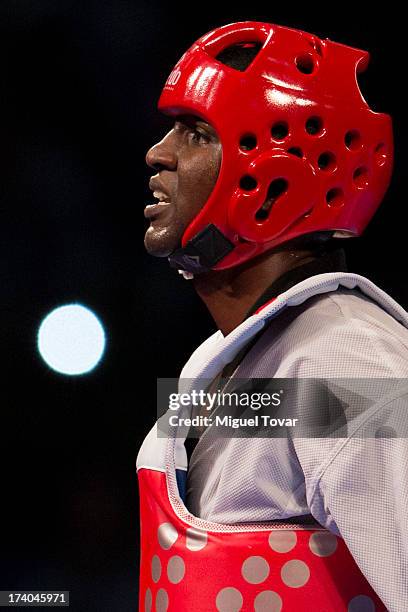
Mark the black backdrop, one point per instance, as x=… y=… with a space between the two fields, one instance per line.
x=79 y=82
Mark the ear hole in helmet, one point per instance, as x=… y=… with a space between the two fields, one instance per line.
x=327 y=161
x=305 y=63
x=360 y=177
x=314 y=126
x=248 y=183
x=280 y=130
x=277 y=188
x=296 y=151
x=239 y=56
x=352 y=140
x=380 y=154
x=248 y=142
x=335 y=197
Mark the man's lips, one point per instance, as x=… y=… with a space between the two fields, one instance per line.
x=158 y=190
x=153 y=210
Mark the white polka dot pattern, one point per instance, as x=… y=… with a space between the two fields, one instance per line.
x=162 y=600
x=229 y=600
x=156 y=568
x=196 y=539
x=361 y=603
x=322 y=543
x=176 y=569
x=167 y=535
x=255 y=569
x=295 y=573
x=282 y=541
x=268 y=601
x=148 y=600
x=260 y=569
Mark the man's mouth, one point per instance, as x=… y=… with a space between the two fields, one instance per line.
x=161 y=196
x=153 y=210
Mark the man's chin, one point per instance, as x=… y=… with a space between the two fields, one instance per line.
x=158 y=245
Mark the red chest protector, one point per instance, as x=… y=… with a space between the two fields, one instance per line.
x=192 y=565
x=188 y=564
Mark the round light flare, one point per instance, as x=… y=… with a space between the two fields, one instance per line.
x=71 y=340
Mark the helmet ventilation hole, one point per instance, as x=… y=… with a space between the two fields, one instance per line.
x=352 y=140
x=327 y=161
x=305 y=63
x=239 y=56
x=248 y=183
x=296 y=151
x=280 y=130
x=360 y=177
x=314 y=126
x=335 y=197
x=248 y=142
x=278 y=187
x=380 y=154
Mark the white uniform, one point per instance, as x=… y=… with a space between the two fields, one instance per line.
x=332 y=325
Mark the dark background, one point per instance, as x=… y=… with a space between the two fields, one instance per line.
x=79 y=83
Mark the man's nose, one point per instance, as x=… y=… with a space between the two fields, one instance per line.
x=162 y=156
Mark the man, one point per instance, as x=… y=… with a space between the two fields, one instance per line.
x=273 y=155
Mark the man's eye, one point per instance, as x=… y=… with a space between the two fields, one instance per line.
x=197 y=136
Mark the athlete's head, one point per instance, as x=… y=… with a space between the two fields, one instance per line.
x=187 y=161
x=272 y=143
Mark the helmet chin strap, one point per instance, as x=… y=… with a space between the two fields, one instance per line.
x=201 y=253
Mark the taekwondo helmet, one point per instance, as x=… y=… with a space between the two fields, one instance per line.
x=295 y=131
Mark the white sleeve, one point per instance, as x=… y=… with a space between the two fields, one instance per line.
x=361 y=493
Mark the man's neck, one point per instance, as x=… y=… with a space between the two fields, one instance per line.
x=228 y=294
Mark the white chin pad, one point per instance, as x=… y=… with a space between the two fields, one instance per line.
x=343 y=234
x=185 y=274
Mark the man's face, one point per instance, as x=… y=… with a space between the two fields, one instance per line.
x=187 y=161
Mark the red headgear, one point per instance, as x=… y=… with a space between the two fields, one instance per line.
x=294 y=127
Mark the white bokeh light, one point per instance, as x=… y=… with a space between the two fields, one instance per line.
x=71 y=339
